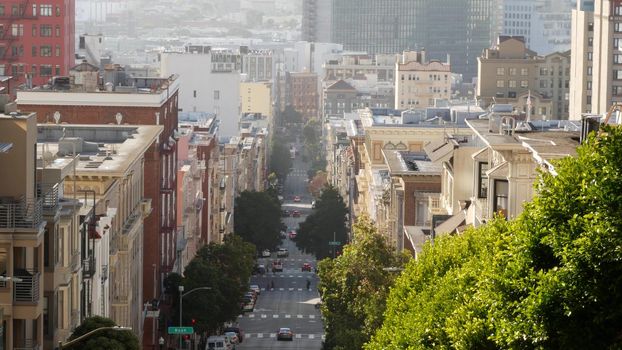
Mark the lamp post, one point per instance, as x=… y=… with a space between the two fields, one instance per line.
x=114 y=328
x=161 y=342
x=181 y=305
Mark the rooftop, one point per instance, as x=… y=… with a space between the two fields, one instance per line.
x=109 y=149
x=410 y=163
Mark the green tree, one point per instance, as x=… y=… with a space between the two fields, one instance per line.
x=354 y=287
x=311 y=133
x=280 y=159
x=258 y=219
x=226 y=269
x=326 y=223
x=551 y=279
x=102 y=340
x=291 y=115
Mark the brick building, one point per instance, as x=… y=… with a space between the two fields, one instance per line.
x=36 y=40
x=118 y=99
x=303 y=93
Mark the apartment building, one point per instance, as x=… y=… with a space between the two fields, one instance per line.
x=107 y=178
x=419 y=82
x=256 y=98
x=257 y=65
x=302 y=93
x=22 y=234
x=534 y=85
x=37 y=40
x=493 y=172
x=90 y=96
x=596 y=59
x=361 y=66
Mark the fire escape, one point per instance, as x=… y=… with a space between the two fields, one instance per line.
x=17 y=11
x=168 y=226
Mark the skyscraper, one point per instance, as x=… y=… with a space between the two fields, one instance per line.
x=460 y=28
x=596 y=63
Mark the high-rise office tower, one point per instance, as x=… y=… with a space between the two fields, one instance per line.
x=460 y=28
x=596 y=63
x=36 y=40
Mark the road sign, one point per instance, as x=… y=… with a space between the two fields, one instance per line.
x=153 y=314
x=334 y=243
x=180 y=330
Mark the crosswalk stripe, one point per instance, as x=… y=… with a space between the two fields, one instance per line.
x=281 y=289
x=251 y=315
x=299 y=316
x=272 y=335
x=299 y=289
x=298 y=336
x=288 y=316
x=311 y=336
x=260 y=335
x=264 y=316
x=291 y=289
x=247 y=335
x=311 y=316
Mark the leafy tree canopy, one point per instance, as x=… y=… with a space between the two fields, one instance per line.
x=106 y=339
x=354 y=287
x=225 y=268
x=291 y=115
x=325 y=223
x=280 y=159
x=551 y=279
x=258 y=218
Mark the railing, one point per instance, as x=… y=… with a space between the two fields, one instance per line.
x=88 y=267
x=28 y=289
x=75 y=260
x=27 y=344
x=21 y=214
x=481 y=209
x=49 y=195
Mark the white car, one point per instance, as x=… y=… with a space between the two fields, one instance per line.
x=233 y=338
x=265 y=253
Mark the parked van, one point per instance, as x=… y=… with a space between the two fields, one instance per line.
x=218 y=343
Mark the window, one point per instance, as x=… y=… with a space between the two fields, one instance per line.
x=45 y=30
x=33 y=71
x=45 y=70
x=512 y=83
x=524 y=83
x=482 y=180
x=590 y=42
x=1 y=10
x=45 y=10
x=34 y=51
x=524 y=71
x=589 y=85
x=57 y=29
x=216 y=95
x=617 y=27
x=590 y=27
x=57 y=72
x=194 y=93
x=500 y=71
x=17 y=29
x=34 y=9
x=45 y=51
x=57 y=51
x=512 y=71
x=543 y=84
x=34 y=30
x=617 y=58
x=544 y=71
x=512 y=94
x=617 y=74
x=616 y=90
x=500 y=200
x=17 y=51
x=617 y=10
x=589 y=71
x=500 y=83
x=57 y=11
x=589 y=56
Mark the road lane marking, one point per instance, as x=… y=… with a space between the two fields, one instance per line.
x=298 y=336
x=272 y=335
x=251 y=315
x=311 y=316
x=264 y=316
x=299 y=316
x=311 y=336
x=275 y=316
x=288 y=316
x=260 y=335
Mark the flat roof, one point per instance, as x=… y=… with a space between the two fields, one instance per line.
x=105 y=149
x=410 y=163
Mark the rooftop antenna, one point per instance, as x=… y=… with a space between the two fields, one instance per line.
x=119 y=118
x=57 y=117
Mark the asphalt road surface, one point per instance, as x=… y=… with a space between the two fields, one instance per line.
x=290 y=303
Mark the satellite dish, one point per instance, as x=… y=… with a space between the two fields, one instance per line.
x=57 y=117
x=119 y=118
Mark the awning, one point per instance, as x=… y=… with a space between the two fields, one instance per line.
x=481 y=155
x=439 y=150
x=500 y=171
x=451 y=225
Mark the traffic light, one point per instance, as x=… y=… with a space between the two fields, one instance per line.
x=193 y=321
x=186 y=336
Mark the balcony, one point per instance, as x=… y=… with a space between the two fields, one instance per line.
x=88 y=267
x=22 y=214
x=27 y=344
x=48 y=194
x=27 y=290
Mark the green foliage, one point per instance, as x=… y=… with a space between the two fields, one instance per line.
x=280 y=159
x=354 y=287
x=258 y=218
x=551 y=279
x=291 y=116
x=102 y=340
x=328 y=217
x=311 y=132
x=226 y=269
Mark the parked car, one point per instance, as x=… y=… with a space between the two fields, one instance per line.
x=292 y=234
x=255 y=288
x=261 y=269
x=296 y=213
x=282 y=253
x=306 y=267
x=237 y=331
x=297 y=199
x=218 y=343
x=277 y=266
x=285 y=334
x=233 y=337
x=285 y=213
x=265 y=253
x=313 y=204
x=249 y=307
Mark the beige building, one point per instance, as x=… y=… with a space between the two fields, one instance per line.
x=493 y=172
x=256 y=97
x=22 y=232
x=107 y=178
x=510 y=73
x=596 y=60
x=418 y=82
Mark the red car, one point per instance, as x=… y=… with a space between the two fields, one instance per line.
x=296 y=198
x=306 y=267
x=296 y=213
x=292 y=234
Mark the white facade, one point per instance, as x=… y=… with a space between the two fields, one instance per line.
x=204 y=90
x=310 y=57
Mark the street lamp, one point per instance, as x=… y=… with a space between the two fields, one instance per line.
x=161 y=342
x=114 y=328
x=181 y=305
